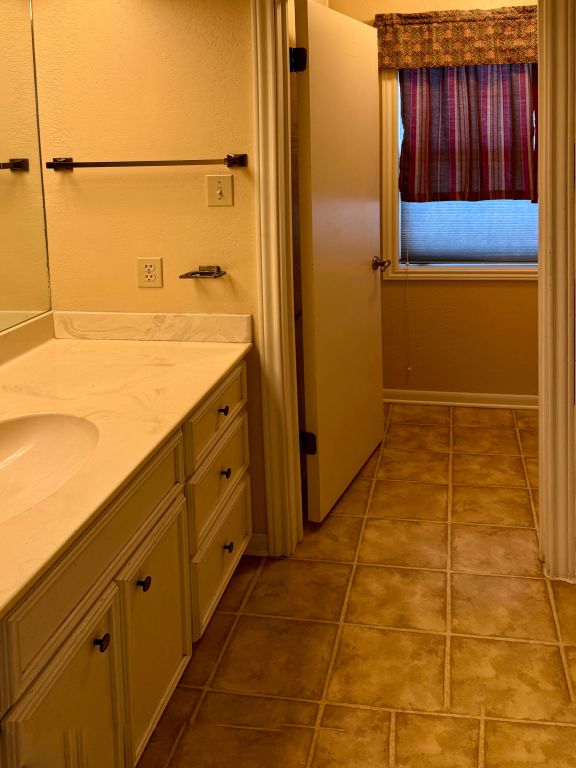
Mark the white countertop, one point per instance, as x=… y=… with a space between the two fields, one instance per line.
x=135 y=392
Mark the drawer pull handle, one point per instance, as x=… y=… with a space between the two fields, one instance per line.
x=229 y=547
x=103 y=642
x=145 y=583
x=227 y=473
x=225 y=410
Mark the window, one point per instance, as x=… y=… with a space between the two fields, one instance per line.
x=460 y=187
x=446 y=222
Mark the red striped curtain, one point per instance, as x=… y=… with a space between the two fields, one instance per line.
x=469 y=133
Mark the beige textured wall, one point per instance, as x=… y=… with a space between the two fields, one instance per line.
x=457 y=336
x=150 y=80
x=461 y=336
x=365 y=10
x=129 y=80
x=24 y=283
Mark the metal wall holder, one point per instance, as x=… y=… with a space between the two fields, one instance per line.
x=210 y=271
x=16 y=164
x=68 y=163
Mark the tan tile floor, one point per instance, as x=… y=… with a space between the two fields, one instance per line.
x=413 y=629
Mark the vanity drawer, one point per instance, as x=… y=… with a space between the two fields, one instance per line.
x=215 y=479
x=215 y=561
x=203 y=429
x=36 y=627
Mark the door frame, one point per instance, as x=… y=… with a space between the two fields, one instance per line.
x=275 y=329
x=556 y=337
x=556 y=333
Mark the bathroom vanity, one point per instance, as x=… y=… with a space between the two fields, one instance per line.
x=107 y=581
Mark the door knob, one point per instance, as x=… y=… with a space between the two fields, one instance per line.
x=379 y=264
x=102 y=642
x=145 y=584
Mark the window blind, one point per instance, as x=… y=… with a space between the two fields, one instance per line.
x=455 y=232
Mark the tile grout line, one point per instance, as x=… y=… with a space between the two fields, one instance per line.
x=207 y=685
x=561 y=645
x=495 y=486
x=409 y=630
x=397 y=710
x=490 y=574
x=495 y=454
x=255 y=695
x=337 y=639
x=443 y=522
x=528 y=484
x=521 y=487
x=448 y=644
x=550 y=591
x=392 y=727
x=458 y=522
x=482 y=738
x=467 y=452
x=392 y=741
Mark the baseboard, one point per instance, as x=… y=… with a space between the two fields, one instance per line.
x=258 y=546
x=484 y=399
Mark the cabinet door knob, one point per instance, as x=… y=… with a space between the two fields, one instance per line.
x=145 y=583
x=227 y=473
x=225 y=410
x=229 y=547
x=103 y=642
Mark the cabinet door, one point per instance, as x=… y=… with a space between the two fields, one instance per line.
x=155 y=602
x=72 y=717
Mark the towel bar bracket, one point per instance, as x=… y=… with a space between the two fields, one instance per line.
x=16 y=164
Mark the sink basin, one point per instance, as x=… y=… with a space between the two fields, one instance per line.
x=38 y=453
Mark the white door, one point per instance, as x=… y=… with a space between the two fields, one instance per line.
x=339 y=156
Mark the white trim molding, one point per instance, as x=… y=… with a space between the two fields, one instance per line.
x=390 y=220
x=258 y=546
x=557 y=79
x=481 y=399
x=458 y=272
x=275 y=331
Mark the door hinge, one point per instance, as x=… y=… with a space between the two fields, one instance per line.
x=298 y=59
x=308 y=443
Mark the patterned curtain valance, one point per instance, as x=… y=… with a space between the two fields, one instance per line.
x=457 y=38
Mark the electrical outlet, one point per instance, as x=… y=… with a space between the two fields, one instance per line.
x=149 y=273
x=220 y=189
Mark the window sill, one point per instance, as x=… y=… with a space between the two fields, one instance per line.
x=461 y=272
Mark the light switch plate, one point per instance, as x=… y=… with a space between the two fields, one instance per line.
x=220 y=189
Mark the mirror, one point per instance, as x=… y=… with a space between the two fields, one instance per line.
x=24 y=286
